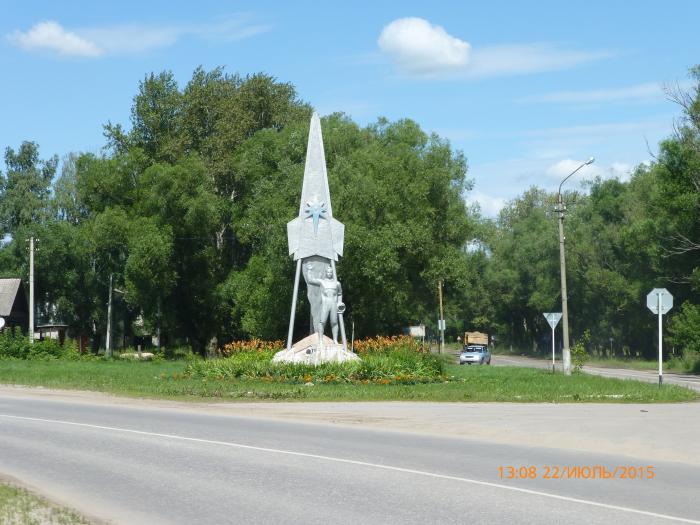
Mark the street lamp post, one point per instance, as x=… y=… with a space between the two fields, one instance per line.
x=566 y=353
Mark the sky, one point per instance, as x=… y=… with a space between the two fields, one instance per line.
x=526 y=90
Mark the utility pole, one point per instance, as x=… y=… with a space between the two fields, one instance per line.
x=566 y=352
x=31 y=289
x=661 y=340
x=441 y=322
x=108 y=341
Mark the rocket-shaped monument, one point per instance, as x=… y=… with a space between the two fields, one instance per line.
x=315 y=231
x=315 y=242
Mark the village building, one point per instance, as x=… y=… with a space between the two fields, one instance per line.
x=14 y=309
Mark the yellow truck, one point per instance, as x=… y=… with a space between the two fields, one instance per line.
x=476 y=338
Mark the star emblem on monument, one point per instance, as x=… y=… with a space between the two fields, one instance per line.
x=315 y=211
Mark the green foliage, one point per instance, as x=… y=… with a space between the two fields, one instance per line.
x=579 y=355
x=24 y=189
x=523 y=273
x=15 y=345
x=688 y=361
x=684 y=328
x=684 y=334
x=397 y=367
x=622 y=240
x=187 y=211
x=399 y=193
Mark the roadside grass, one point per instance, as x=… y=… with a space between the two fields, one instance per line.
x=680 y=364
x=633 y=363
x=167 y=380
x=20 y=507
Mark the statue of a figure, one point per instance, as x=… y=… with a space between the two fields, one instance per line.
x=330 y=300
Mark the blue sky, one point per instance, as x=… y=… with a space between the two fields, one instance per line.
x=527 y=90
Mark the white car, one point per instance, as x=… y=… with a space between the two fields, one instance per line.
x=475 y=354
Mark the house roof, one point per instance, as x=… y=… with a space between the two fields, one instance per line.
x=8 y=294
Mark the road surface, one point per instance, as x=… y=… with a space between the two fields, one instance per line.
x=138 y=462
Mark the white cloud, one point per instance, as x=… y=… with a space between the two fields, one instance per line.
x=137 y=38
x=131 y=38
x=128 y=38
x=489 y=206
x=564 y=167
x=51 y=36
x=418 y=47
x=639 y=92
x=502 y=180
x=520 y=59
x=601 y=132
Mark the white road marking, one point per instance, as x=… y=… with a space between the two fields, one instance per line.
x=358 y=463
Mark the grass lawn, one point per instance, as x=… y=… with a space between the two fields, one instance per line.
x=633 y=363
x=19 y=507
x=474 y=383
x=671 y=365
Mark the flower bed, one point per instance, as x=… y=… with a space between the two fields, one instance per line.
x=385 y=360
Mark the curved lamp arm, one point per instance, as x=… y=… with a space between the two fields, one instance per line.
x=589 y=161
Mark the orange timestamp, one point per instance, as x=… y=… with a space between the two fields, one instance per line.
x=576 y=472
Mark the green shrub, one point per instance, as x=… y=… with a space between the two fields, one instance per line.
x=684 y=329
x=174 y=353
x=15 y=345
x=689 y=361
x=397 y=367
x=579 y=355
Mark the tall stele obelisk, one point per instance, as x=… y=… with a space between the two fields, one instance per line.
x=315 y=242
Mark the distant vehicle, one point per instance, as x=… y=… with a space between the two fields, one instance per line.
x=475 y=354
x=476 y=338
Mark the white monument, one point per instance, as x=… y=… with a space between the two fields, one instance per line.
x=316 y=241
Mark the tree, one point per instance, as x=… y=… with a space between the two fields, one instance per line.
x=399 y=193
x=523 y=276
x=24 y=189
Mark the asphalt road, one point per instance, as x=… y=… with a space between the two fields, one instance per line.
x=651 y=376
x=137 y=464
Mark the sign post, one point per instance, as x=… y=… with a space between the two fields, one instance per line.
x=660 y=301
x=553 y=320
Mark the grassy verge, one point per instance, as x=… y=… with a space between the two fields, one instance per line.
x=634 y=364
x=19 y=507
x=676 y=364
x=168 y=380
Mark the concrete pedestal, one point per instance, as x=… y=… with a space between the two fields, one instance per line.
x=307 y=351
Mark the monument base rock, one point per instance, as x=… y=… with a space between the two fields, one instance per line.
x=307 y=352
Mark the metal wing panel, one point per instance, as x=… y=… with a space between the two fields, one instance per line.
x=294 y=235
x=338 y=236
